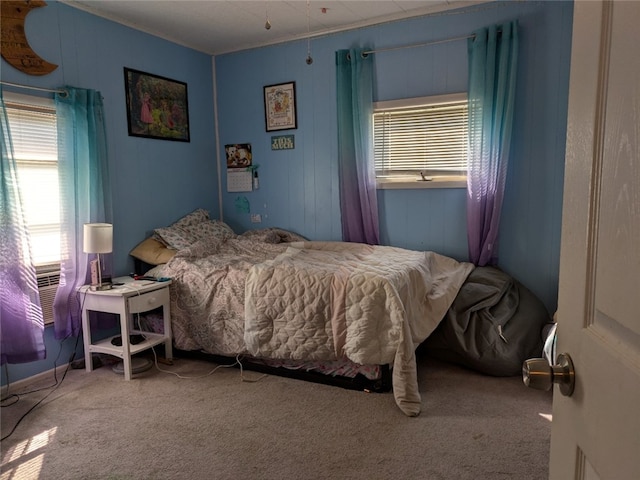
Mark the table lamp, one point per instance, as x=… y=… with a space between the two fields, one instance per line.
x=98 y=238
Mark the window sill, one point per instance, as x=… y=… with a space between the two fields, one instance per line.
x=404 y=183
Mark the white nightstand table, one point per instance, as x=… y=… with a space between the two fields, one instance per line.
x=134 y=296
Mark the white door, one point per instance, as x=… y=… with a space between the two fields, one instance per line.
x=596 y=431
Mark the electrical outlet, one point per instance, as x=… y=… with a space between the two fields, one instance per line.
x=256 y=218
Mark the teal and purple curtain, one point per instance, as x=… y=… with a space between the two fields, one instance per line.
x=358 y=200
x=21 y=321
x=493 y=58
x=84 y=196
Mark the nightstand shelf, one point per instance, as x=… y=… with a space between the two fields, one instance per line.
x=133 y=297
x=105 y=346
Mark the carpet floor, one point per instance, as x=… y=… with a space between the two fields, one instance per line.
x=214 y=425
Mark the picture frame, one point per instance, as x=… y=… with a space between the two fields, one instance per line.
x=283 y=142
x=280 y=110
x=157 y=107
x=238 y=155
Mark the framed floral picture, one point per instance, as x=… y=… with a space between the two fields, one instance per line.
x=157 y=107
x=280 y=106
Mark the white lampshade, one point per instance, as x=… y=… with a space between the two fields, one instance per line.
x=98 y=238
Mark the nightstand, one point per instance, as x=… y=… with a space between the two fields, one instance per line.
x=134 y=296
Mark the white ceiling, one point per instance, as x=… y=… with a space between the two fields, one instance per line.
x=223 y=26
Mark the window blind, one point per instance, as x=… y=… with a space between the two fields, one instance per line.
x=429 y=138
x=35 y=147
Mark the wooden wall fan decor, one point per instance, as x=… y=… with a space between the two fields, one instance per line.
x=14 y=47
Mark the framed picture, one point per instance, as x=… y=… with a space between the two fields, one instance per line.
x=280 y=106
x=157 y=107
x=283 y=142
x=238 y=155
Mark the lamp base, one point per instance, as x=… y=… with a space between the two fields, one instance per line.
x=101 y=286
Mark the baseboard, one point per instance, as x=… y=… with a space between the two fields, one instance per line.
x=20 y=385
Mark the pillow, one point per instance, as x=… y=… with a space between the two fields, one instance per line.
x=175 y=237
x=211 y=230
x=194 y=218
x=192 y=228
x=152 y=252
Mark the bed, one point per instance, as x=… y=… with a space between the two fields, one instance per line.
x=273 y=296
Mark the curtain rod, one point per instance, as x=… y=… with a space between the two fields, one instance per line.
x=28 y=87
x=454 y=39
x=435 y=42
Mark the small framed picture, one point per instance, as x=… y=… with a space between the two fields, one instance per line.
x=157 y=107
x=283 y=142
x=280 y=106
x=238 y=155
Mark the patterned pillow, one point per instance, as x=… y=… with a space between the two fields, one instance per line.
x=191 y=228
x=175 y=237
x=211 y=230
x=194 y=218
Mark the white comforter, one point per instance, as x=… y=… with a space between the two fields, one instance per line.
x=370 y=304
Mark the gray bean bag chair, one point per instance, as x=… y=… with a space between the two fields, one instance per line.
x=493 y=325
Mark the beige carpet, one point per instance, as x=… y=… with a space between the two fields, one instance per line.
x=158 y=426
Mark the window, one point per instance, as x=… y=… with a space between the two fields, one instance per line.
x=32 y=121
x=421 y=139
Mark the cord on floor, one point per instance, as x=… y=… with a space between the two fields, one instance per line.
x=53 y=388
x=238 y=362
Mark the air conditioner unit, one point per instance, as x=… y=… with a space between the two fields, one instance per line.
x=47 y=286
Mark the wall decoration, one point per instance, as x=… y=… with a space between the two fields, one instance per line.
x=239 y=180
x=157 y=107
x=282 y=142
x=238 y=155
x=242 y=205
x=280 y=106
x=14 y=47
x=239 y=161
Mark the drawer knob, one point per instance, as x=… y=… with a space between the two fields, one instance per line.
x=152 y=300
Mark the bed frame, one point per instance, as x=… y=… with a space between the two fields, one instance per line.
x=359 y=382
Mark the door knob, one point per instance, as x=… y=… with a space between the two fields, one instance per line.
x=538 y=374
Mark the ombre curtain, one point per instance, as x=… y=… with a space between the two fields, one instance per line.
x=358 y=200
x=493 y=56
x=84 y=196
x=21 y=322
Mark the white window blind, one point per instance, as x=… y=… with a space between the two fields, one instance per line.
x=429 y=137
x=32 y=121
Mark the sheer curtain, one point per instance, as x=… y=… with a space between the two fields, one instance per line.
x=358 y=200
x=21 y=322
x=84 y=196
x=493 y=55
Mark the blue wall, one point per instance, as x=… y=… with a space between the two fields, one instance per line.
x=299 y=188
x=153 y=182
